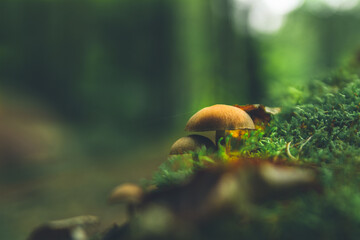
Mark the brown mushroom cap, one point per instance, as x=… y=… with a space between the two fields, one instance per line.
x=126 y=193
x=190 y=143
x=219 y=117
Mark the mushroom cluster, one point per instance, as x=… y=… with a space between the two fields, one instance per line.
x=218 y=118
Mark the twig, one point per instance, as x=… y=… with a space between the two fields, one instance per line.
x=289 y=153
x=302 y=145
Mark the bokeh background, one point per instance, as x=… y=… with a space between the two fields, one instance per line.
x=94 y=92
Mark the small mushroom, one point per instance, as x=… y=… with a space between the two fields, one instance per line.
x=267 y=181
x=190 y=143
x=128 y=193
x=65 y=229
x=219 y=118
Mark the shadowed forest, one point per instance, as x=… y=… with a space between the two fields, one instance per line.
x=93 y=93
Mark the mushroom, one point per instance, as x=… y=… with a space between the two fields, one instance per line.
x=128 y=193
x=190 y=143
x=65 y=229
x=219 y=117
x=268 y=181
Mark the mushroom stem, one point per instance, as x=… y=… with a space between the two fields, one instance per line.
x=130 y=209
x=220 y=134
x=195 y=157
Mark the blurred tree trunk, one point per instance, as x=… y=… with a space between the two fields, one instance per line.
x=229 y=62
x=238 y=60
x=194 y=70
x=252 y=63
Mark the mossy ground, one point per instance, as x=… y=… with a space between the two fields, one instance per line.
x=321 y=129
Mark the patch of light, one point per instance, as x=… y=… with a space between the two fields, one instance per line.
x=341 y=4
x=262 y=20
x=283 y=6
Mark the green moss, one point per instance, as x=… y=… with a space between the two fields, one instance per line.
x=168 y=176
x=323 y=129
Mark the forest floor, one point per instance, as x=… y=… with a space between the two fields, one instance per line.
x=33 y=194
